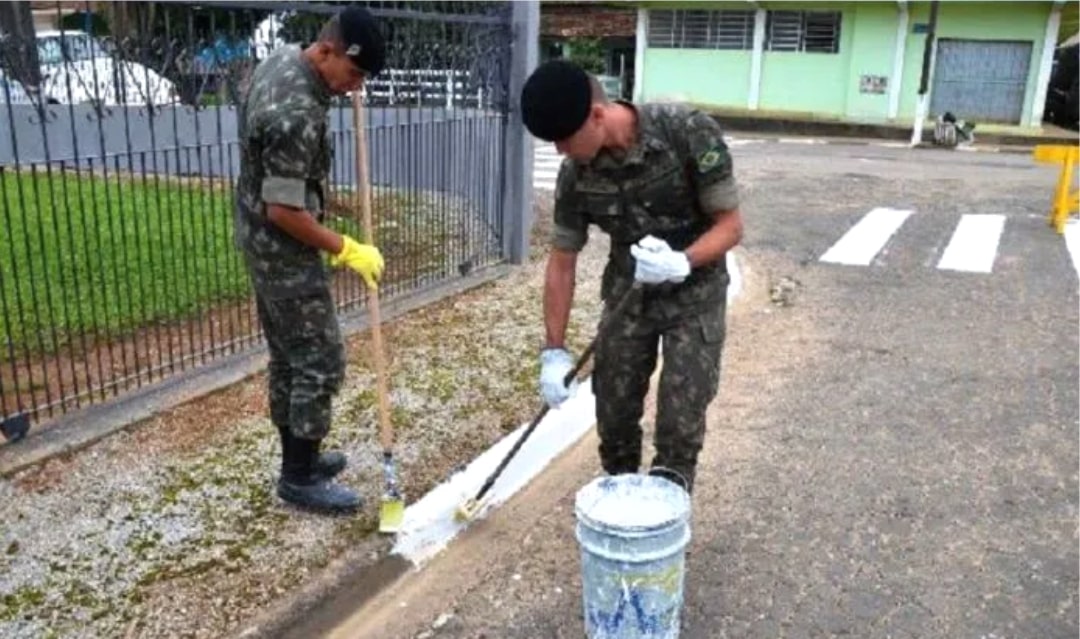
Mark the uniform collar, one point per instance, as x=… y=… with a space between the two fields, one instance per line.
x=647 y=140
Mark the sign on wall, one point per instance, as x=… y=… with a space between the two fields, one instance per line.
x=873 y=83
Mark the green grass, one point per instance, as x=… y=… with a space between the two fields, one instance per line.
x=88 y=254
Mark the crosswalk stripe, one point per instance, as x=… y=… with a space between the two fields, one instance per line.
x=974 y=244
x=546 y=161
x=864 y=241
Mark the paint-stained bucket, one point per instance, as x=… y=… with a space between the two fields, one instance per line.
x=632 y=530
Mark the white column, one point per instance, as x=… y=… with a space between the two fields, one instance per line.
x=756 y=60
x=896 y=81
x=1046 y=64
x=922 y=107
x=639 y=54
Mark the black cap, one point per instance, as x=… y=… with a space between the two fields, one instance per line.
x=555 y=100
x=364 y=43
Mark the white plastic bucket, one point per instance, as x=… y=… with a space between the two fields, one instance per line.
x=632 y=530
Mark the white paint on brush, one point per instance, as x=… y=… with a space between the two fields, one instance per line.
x=974 y=244
x=864 y=241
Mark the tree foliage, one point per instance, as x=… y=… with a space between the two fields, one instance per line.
x=588 y=53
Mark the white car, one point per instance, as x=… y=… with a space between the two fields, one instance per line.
x=76 y=68
x=12 y=91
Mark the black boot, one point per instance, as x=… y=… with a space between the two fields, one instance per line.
x=302 y=486
x=684 y=480
x=329 y=464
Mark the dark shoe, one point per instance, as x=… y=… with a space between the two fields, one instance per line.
x=303 y=486
x=676 y=477
x=322 y=496
x=328 y=464
x=619 y=466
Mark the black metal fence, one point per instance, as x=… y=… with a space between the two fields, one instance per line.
x=117 y=163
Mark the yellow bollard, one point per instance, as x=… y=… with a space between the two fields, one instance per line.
x=1066 y=200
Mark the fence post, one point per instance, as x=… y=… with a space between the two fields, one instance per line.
x=518 y=191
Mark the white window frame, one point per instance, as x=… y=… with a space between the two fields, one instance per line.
x=813 y=31
x=720 y=29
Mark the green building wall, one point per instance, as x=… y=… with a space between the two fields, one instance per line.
x=828 y=84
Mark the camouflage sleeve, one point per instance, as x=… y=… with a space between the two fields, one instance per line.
x=571 y=220
x=289 y=145
x=711 y=162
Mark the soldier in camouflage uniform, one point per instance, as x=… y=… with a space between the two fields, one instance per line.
x=657 y=178
x=280 y=203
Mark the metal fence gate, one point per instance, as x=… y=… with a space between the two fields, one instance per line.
x=981 y=81
x=118 y=153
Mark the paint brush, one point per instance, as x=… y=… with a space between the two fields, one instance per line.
x=472 y=507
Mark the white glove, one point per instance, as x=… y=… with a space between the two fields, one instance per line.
x=555 y=364
x=656 y=263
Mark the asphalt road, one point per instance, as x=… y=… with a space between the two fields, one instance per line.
x=894 y=449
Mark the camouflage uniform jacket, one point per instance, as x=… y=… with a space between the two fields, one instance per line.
x=284 y=159
x=670 y=184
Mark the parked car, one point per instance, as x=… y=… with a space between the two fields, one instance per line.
x=77 y=68
x=12 y=91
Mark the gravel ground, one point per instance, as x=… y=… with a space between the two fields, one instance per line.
x=172 y=529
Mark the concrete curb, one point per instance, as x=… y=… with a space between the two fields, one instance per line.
x=350 y=582
x=780 y=126
x=891 y=144
x=81 y=429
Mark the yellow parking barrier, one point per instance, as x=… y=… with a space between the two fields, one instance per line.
x=1066 y=200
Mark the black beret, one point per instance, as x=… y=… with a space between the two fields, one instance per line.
x=364 y=44
x=555 y=100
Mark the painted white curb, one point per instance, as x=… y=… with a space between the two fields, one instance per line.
x=429 y=523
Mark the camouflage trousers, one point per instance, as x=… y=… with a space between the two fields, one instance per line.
x=626 y=356
x=307 y=360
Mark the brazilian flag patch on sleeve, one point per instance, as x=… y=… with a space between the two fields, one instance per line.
x=710 y=159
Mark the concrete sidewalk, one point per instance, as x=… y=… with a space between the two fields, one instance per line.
x=805 y=124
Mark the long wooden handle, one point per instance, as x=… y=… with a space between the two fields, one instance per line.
x=363 y=188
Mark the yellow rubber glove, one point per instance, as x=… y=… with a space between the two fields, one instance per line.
x=365 y=259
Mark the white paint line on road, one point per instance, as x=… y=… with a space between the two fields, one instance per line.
x=736 y=283
x=1072 y=242
x=429 y=523
x=800 y=141
x=974 y=244
x=864 y=241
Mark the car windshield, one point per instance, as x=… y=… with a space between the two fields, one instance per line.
x=75 y=47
